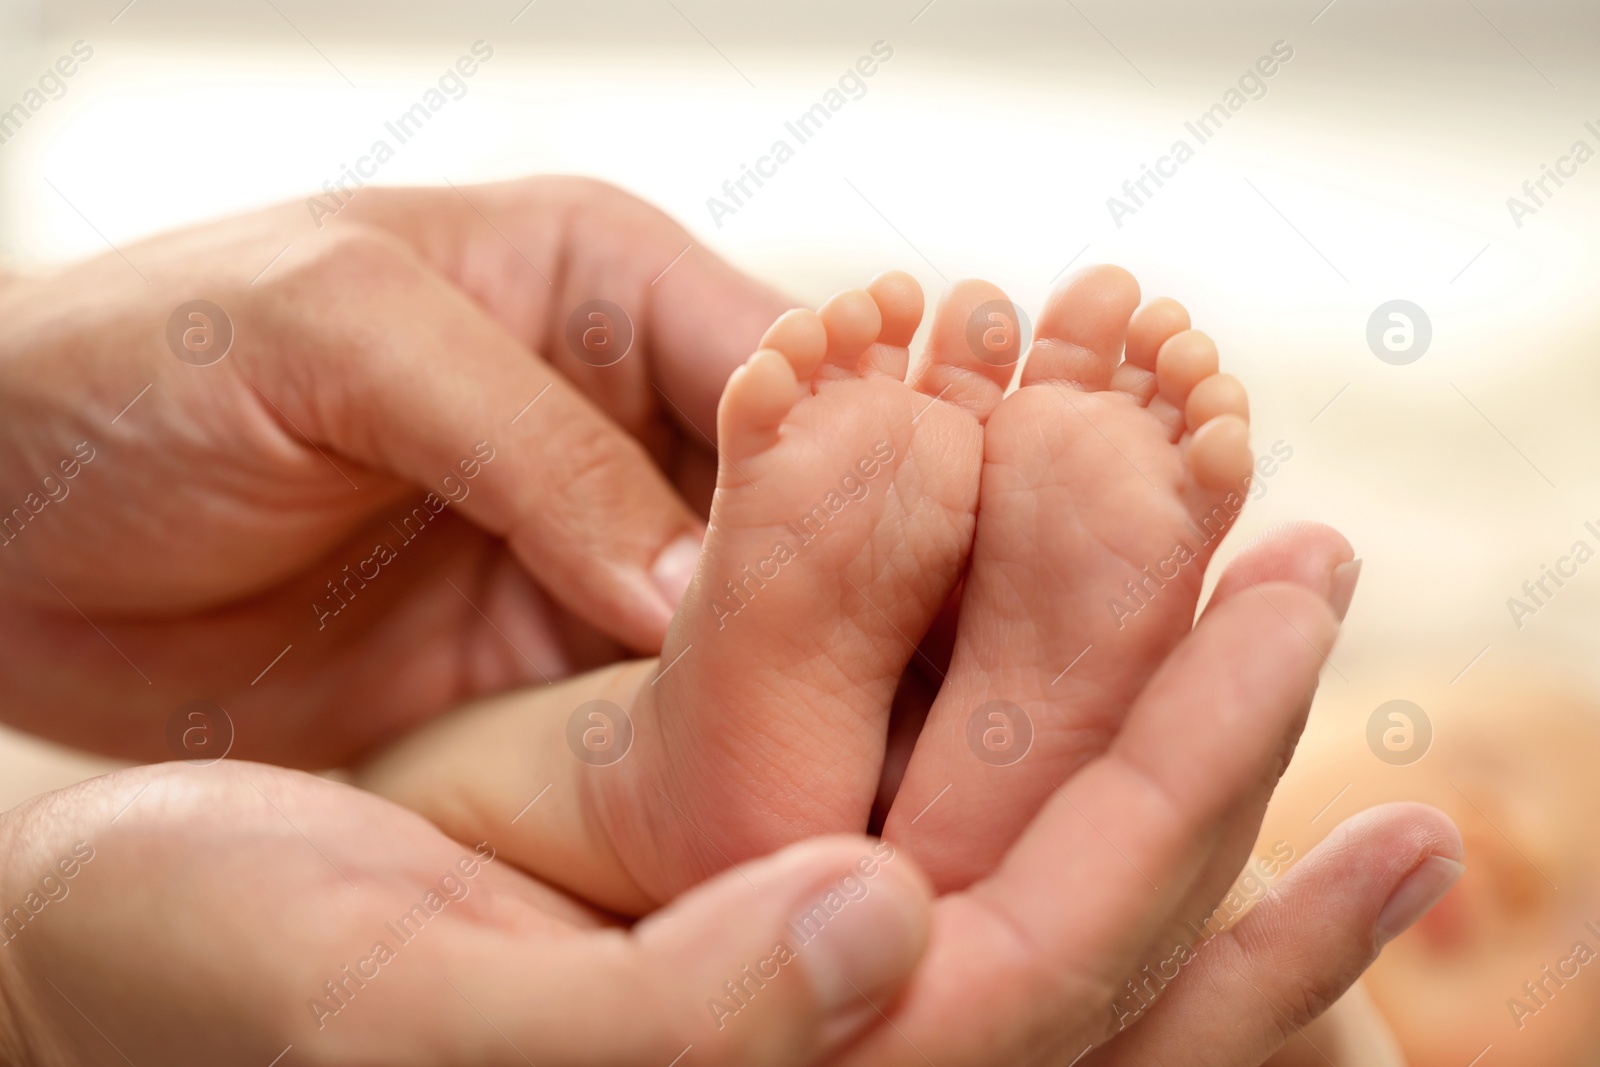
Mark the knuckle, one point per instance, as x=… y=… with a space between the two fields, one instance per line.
x=562 y=195
x=342 y=262
x=1298 y=996
x=595 y=191
x=1300 y=1004
x=321 y=329
x=600 y=465
x=612 y=210
x=327 y=305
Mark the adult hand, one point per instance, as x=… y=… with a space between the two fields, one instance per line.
x=255 y=532
x=340 y=929
x=1097 y=940
x=240 y=913
x=1101 y=929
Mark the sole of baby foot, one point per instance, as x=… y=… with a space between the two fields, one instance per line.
x=1110 y=476
x=843 y=515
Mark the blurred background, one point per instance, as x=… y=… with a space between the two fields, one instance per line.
x=1377 y=164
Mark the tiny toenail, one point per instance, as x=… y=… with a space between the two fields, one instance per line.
x=1342 y=589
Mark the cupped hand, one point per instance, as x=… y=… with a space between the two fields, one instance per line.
x=423 y=466
x=1098 y=938
x=261 y=913
x=1100 y=935
x=239 y=913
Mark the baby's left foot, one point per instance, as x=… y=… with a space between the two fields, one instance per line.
x=844 y=511
x=1109 y=479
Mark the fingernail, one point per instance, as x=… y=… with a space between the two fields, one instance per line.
x=1343 y=588
x=673 y=570
x=861 y=948
x=1422 y=889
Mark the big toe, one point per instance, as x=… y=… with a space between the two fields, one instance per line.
x=1082 y=329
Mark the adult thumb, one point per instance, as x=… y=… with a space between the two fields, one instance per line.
x=784 y=961
x=774 y=962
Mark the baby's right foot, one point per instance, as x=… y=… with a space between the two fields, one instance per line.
x=844 y=509
x=1110 y=476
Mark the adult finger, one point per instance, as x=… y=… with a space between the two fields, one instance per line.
x=376 y=356
x=1318 y=558
x=1124 y=840
x=534 y=252
x=1305 y=553
x=1257 y=986
x=1352 y=1033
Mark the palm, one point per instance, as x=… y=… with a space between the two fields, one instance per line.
x=330 y=872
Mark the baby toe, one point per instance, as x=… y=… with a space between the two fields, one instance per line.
x=802 y=338
x=1220 y=394
x=1153 y=325
x=853 y=322
x=1183 y=361
x=1219 y=454
x=754 y=403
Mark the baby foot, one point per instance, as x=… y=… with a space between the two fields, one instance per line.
x=1109 y=478
x=844 y=510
